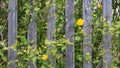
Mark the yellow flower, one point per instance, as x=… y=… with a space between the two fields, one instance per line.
x=16 y=60
x=94 y=15
x=46 y=23
x=119 y=17
x=44 y=46
x=44 y=57
x=63 y=36
x=100 y=7
x=110 y=29
x=24 y=51
x=80 y=22
x=105 y=25
x=88 y=54
x=104 y=19
x=47 y=3
x=82 y=31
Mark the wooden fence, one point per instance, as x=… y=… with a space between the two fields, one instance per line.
x=69 y=31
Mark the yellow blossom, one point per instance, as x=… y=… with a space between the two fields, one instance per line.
x=80 y=22
x=88 y=54
x=44 y=46
x=94 y=15
x=110 y=29
x=46 y=23
x=82 y=30
x=16 y=60
x=24 y=51
x=119 y=17
x=44 y=57
x=47 y=3
x=100 y=7
x=104 y=19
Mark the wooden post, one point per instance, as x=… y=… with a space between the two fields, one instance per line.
x=51 y=31
x=32 y=33
x=12 y=32
x=87 y=39
x=107 y=14
x=69 y=32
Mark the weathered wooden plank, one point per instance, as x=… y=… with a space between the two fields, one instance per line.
x=69 y=32
x=12 y=32
x=32 y=37
x=32 y=33
x=87 y=39
x=107 y=14
x=51 y=21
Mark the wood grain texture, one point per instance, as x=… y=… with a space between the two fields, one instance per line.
x=12 y=32
x=69 y=33
x=32 y=36
x=32 y=33
x=87 y=27
x=51 y=22
x=107 y=14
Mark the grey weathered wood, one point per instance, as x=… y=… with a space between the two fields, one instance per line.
x=69 y=32
x=87 y=39
x=12 y=31
x=107 y=13
x=32 y=37
x=32 y=33
x=51 y=31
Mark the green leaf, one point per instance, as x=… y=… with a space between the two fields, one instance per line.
x=27 y=11
x=79 y=57
x=63 y=48
x=4 y=58
x=1 y=27
x=36 y=9
x=86 y=58
x=95 y=61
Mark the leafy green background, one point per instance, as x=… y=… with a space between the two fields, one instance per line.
x=41 y=7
